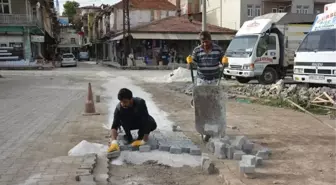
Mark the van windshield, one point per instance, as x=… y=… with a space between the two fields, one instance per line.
x=324 y=40
x=242 y=46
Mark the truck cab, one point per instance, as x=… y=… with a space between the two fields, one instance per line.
x=254 y=53
x=315 y=60
x=260 y=50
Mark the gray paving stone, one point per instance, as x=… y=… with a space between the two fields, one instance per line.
x=86 y=178
x=263 y=154
x=175 y=150
x=245 y=168
x=220 y=149
x=248 y=147
x=239 y=141
x=249 y=159
x=83 y=172
x=164 y=148
x=185 y=149
x=259 y=161
x=229 y=152
x=145 y=148
x=195 y=151
x=134 y=148
x=154 y=144
x=237 y=155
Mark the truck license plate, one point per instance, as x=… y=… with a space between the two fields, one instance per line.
x=234 y=72
x=316 y=77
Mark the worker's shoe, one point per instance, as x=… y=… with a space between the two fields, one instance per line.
x=113 y=147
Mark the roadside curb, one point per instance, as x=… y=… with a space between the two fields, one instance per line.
x=116 y=66
x=26 y=68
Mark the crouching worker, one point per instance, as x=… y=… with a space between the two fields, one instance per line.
x=131 y=114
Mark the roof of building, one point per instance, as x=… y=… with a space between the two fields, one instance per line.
x=90 y=7
x=177 y=24
x=148 y=4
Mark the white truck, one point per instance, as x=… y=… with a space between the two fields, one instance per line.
x=264 y=47
x=315 y=60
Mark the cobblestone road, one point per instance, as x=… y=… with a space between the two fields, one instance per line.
x=33 y=111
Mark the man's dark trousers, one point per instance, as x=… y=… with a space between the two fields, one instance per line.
x=143 y=128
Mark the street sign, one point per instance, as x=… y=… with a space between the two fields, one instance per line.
x=36 y=38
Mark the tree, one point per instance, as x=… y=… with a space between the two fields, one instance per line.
x=77 y=22
x=70 y=9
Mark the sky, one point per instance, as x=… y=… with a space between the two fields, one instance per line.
x=88 y=2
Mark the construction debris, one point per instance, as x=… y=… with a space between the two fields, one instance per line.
x=279 y=90
x=327 y=102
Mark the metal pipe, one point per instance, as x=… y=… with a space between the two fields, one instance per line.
x=204 y=15
x=221 y=13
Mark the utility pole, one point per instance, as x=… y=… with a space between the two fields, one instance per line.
x=126 y=31
x=204 y=21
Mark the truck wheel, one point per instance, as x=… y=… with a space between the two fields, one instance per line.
x=243 y=80
x=269 y=76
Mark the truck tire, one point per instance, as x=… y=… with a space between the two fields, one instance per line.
x=269 y=76
x=243 y=80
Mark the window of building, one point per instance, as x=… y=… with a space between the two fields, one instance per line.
x=281 y=9
x=257 y=11
x=73 y=41
x=249 y=10
x=305 y=9
x=274 y=10
x=298 y=9
x=5 y=7
x=3 y=45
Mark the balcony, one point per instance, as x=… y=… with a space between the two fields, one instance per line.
x=19 y=20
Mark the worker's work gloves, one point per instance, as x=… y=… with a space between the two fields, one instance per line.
x=113 y=146
x=138 y=143
x=189 y=59
x=225 y=60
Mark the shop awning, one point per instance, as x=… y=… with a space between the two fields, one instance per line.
x=11 y=29
x=173 y=36
x=68 y=46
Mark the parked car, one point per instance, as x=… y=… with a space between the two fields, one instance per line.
x=84 y=56
x=68 y=59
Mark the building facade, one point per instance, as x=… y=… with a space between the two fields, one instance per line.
x=233 y=13
x=28 y=30
x=70 y=40
x=109 y=21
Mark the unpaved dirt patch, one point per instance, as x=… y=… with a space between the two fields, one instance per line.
x=152 y=173
x=303 y=148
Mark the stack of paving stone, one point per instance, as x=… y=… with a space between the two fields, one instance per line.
x=84 y=173
x=173 y=142
x=239 y=148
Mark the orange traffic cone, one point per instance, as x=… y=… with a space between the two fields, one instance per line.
x=89 y=104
